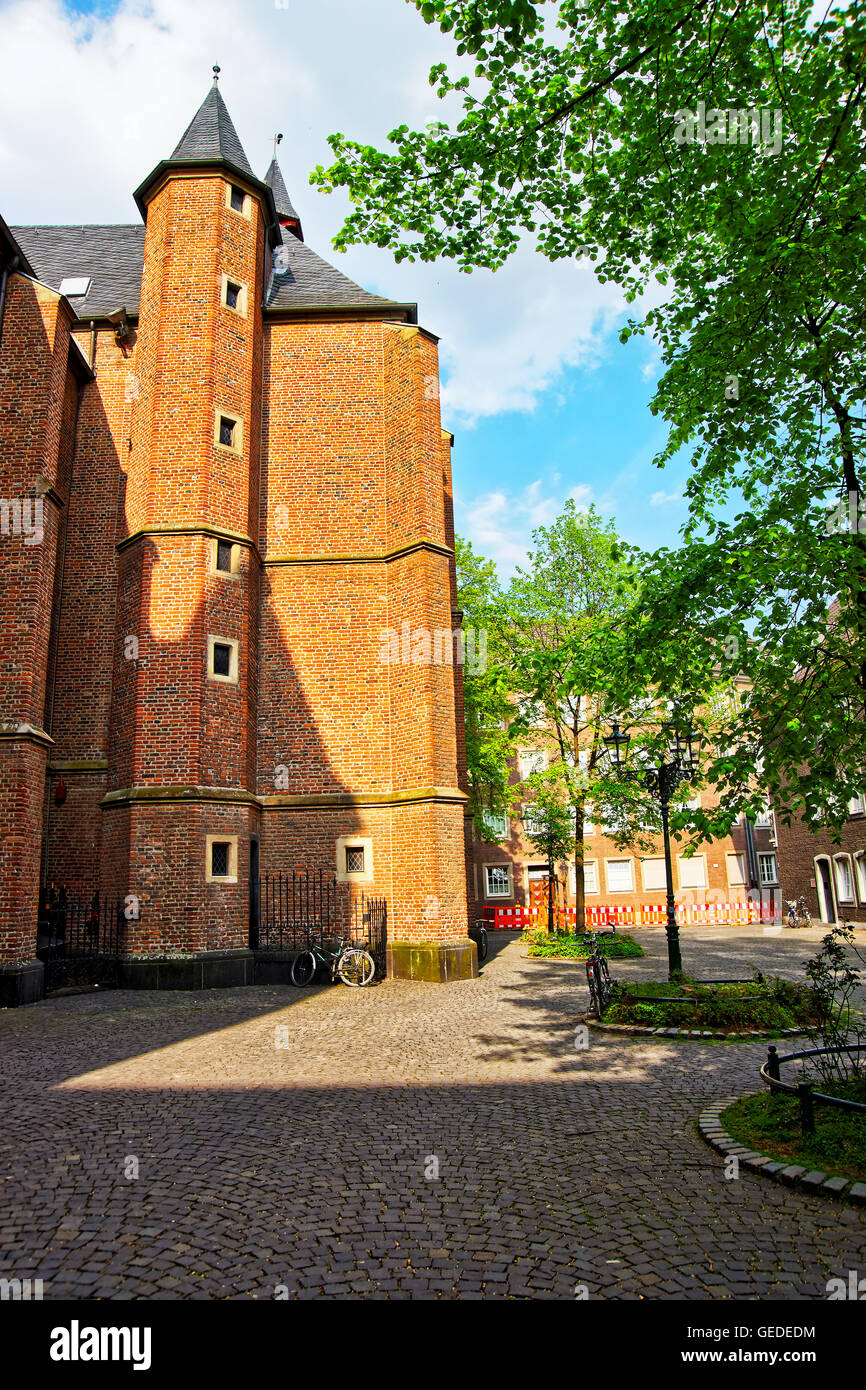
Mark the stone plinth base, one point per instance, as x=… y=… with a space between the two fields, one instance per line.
x=435 y=962
x=21 y=984
x=206 y=970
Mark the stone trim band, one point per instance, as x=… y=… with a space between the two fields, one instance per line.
x=373 y=558
x=316 y=801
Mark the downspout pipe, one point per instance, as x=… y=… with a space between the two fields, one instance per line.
x=7 y=271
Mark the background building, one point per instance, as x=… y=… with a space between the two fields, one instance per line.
x=739 y=869
x=831 y=877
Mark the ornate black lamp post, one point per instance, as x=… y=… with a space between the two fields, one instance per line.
x=662 y=781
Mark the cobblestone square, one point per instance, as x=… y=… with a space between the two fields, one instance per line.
x=411 y=1141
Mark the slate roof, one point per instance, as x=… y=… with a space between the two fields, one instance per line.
x=211 y=135
x=300 y=279
x=10 y=248
x=111 y=255
x=275 y=181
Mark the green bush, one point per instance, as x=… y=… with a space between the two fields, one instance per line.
x=575 y=946
x=771 y=1125
x=766 y=1004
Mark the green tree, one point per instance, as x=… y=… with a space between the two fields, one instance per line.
x=487 y=686
x=551 y=829
x=567 y=609
x=718 y=154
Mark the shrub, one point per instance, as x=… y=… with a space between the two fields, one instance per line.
x=834 y=979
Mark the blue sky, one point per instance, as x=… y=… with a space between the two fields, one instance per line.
x=544 y=401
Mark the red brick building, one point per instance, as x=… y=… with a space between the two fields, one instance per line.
x=831 y=877
x=727 y=881
x=224 y=478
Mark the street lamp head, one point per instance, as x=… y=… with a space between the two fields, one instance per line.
x=684 y=747
x=617 y=744
x=693 y=745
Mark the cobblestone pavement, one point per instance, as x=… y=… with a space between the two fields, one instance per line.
x=303 y=1166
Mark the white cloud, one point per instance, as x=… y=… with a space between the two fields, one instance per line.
x=663 y=499
x=500 y=523
x=111 y=97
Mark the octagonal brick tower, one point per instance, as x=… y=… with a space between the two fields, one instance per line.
x=286 y=524
x=182 y=764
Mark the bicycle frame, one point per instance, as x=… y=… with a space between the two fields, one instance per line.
x=598 y=979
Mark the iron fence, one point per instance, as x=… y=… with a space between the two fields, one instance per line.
x=302 y=908
x=79 y=939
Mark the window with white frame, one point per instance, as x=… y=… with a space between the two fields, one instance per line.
x=736 y=870
x=532 y=760
x=620 y=875
x=529 y=710
x=567 y=710
x=590 y=876
x=611 y=823
x=857 y=805
x=844 y=879
x=767 y=871
x=860 y=872
x=588 y=821
x=653 y=873
x=497 y=880
x=693 y=872
x=496 y=824
x=763 y=820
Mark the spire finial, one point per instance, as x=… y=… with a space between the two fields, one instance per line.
x=277 y=139
x=216 y=73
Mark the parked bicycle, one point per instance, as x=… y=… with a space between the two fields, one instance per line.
x=798 y=913
x=351 y=964
x=478 y=933
x=598 y=978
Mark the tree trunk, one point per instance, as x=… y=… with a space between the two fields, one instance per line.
x=579 y=884
x=549 y=896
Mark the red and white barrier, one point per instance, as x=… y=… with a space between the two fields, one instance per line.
x=738 y=912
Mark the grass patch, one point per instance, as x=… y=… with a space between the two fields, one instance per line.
x=574 y=946
x=771 y=1124
x=770 y=1004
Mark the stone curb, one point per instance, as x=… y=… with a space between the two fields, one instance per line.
x=637 y=1029
x=792 y=1174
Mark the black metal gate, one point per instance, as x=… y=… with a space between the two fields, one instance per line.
x=300 y=909
x=79 y=940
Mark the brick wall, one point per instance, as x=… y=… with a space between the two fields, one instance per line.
x=38 y=397
x=800 y=847
x=338 y=503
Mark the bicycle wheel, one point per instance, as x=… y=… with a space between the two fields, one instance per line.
x=356 y=967
x=592 y=981
x=482 y=945
x=303 y=969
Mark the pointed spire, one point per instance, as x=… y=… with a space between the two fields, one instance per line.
x=286 y=213
x=211 y=134
x=211 y=140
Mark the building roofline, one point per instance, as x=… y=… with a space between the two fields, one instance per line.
x=162 y=171
x=9 y=249
x=312 y=312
